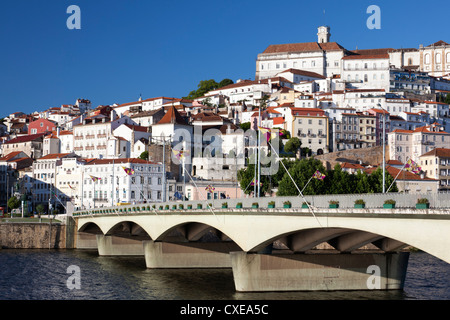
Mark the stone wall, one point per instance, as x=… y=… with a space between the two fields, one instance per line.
x=366 y=156
x=32 y=235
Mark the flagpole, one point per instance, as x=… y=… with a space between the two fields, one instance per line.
x=307 y=183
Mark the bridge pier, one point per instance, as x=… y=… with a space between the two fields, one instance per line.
x=318 y=272
x=188 y=254
x=118 y=246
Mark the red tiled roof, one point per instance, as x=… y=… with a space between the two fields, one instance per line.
x=438 y=152
x=54 y=156
x=26 y=138
x=172 y=116
x=303 y=47
x=438 y=44
x=367 y=56
x=347 y=165
x=137 y=128
x=405 y=175
x=10 y=156
x=118 y=161
x=303 y=73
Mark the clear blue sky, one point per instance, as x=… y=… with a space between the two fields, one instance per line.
x=164 y=48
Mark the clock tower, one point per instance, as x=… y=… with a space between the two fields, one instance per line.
x=324 y=34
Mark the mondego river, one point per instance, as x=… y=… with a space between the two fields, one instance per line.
x=83 y=275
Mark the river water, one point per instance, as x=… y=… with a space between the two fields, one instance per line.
x=45 y=274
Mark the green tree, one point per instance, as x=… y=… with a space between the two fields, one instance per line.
x=245 y=126
x=225 y=82
x=144 y=155
x=447 y=99
x=342 y=181
x=205 y=86
x=13 y=203
x=293 y=146
x=301 y=172
x=40 y=208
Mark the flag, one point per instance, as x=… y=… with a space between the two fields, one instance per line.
x=270 y=133
x=128 y=171
x=210 y=188
x=95 y=179
x=71 y=187
x=179 y=154
x=319 y=176
x=412 y=166
x=255 y=182
x=54 y=193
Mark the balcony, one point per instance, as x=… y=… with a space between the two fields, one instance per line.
x=101 y=147
x=78 y=149
x=90 y=148
x=79 y=138
x=90 y=136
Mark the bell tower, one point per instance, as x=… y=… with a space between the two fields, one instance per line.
x=323 y=34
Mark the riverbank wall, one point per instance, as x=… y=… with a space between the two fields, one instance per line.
x=37 y=235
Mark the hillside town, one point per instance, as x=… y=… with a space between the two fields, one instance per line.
x=334 y=100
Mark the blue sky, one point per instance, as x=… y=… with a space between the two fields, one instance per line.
x=164 y=48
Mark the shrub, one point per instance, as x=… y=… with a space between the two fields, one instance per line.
x=333 y=202
x=360 y=201
x=271 y=203
x=287 y=203
x=423 y=201
x=389 y=201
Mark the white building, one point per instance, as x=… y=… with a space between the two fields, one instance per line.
x=45 y=177
x=366 y=71
x=322 y=57
x=92 y=135
x=106 y=182
x=411 y=144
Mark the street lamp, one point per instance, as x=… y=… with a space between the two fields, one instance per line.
x=384 y=147
x=258 y=183
x=113 y=181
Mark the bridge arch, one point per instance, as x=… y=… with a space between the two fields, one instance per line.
x=128 y=229
x=193 y=230
x=251 y=232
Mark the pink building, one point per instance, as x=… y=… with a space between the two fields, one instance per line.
x=41 y=126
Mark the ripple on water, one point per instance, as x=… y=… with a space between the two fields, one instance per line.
x=42 y=275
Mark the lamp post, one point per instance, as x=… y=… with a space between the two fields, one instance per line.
x=258 y=183
x=113 y=181
x=384 y=147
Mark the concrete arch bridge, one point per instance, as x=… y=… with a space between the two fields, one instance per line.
x=276 y=249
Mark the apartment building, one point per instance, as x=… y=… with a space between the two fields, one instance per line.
x=436 y=164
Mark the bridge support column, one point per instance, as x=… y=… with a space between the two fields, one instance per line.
x=318 y=272
x=188 y=254
x=117 y=246
x=85 y=240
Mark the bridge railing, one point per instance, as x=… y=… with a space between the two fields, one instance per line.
x=402 y=200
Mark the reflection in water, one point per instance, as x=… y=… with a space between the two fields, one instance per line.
x=42 y=275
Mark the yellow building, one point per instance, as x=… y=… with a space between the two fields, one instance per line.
x=436 y=164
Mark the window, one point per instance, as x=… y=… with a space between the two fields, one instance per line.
x=427 y=58
x=438 y=58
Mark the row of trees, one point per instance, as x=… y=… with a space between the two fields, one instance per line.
x=336 y=181
x=205 y=86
